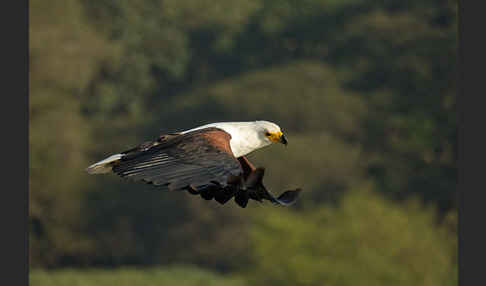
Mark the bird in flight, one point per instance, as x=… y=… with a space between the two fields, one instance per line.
x=208 y=161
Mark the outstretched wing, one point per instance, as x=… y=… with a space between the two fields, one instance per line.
x=195 y=159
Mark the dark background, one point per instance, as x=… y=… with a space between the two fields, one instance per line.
x=366 y=94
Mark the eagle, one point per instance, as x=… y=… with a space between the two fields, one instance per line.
x=209 y=161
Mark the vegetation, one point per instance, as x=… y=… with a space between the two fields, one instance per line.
x=365 y=240
x=175 y=275
x=365 y=91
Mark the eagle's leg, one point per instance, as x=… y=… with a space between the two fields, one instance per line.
x=247 y=167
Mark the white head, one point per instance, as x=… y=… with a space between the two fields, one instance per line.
x=270 y=132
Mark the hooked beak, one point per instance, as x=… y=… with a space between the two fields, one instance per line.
x=283 y=140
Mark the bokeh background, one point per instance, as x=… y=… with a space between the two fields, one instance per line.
x=365 y=91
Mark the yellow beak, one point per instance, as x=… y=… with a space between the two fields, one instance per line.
x=277 y=137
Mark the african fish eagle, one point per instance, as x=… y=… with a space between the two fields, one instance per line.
x=208 y=161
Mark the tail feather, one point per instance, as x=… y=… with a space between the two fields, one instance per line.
x=104 y=166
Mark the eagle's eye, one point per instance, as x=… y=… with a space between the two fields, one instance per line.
x=267 y=134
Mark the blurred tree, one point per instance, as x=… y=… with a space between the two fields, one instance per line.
x=364 y=89
x=366 y=240
x=183 y=275
x=61 y=67
x=406 y=65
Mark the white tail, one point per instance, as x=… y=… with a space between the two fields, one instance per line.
x=103 y=166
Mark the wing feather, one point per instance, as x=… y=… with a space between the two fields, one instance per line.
x=198 y=158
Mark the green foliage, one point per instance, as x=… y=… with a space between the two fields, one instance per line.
x=300 y=96
x=61 y=68
x=175 y=275
x=364 y=90
x=365 y=240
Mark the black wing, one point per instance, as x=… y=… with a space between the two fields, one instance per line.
x=197 y=159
